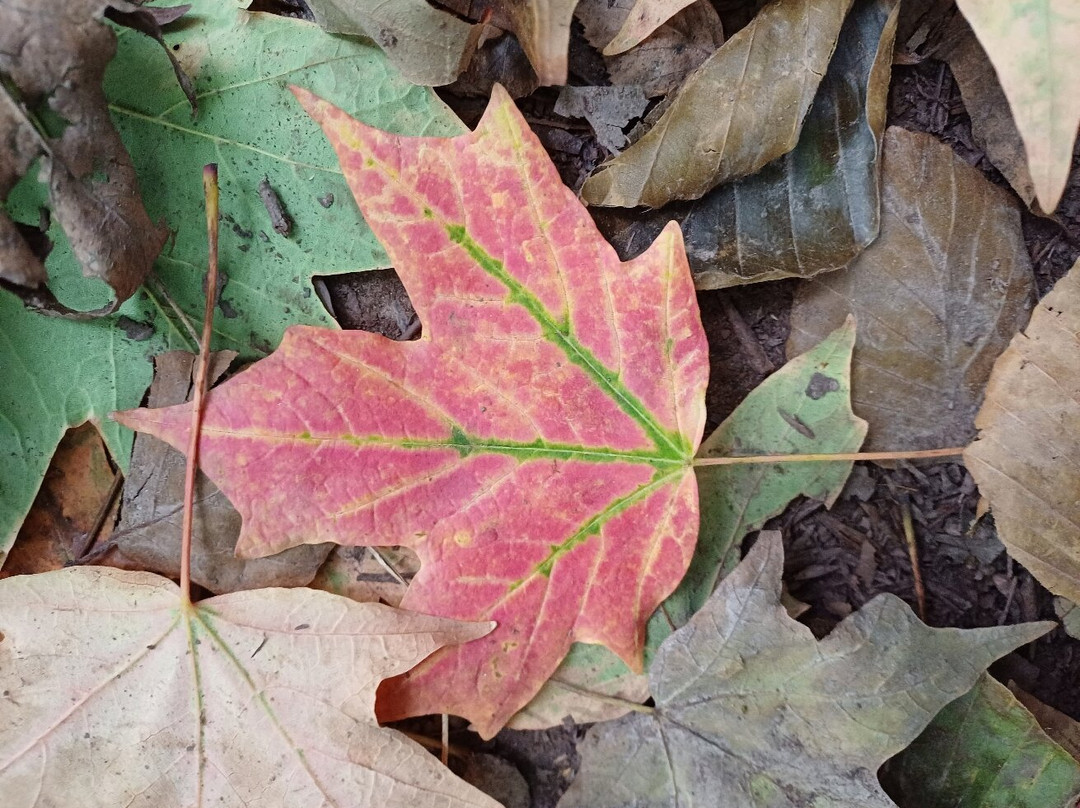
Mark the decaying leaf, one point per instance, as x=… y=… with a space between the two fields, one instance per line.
x=367 y=574
x=985 y=102
x=116 y=694
x=238 y=60
x=663 y=61
x=1031 y=44
x=986 y=751
x=607 y=109
x=741 y=109
x=1061 y=729
x=644 y=18
x=936 y=297
x=805 y=407
x=1026 y=456
x=148 y=537
x=543 y=29
x=751 y=710
x=533 y=447
x=810 y=211
x=53 y=60
x=428 y=45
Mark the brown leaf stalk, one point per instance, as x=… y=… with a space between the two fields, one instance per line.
x=922 y=454
x=210 y=190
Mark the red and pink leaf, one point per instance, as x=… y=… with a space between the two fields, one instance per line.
x=534 y=446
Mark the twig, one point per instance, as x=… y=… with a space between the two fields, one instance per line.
x=177 y=310
x=444 y=752
x=386 y=565
x=954 y=451
x=90 y=537
x=913 y=554
x=210 y=190
x=758 y=358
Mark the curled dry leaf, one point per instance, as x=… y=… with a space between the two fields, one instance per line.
x=805 y=407
x=663 y=61
x=936 y=297
x=644 y=18
x=1027 y=454
x=986 y=751
x=148 y=537
x=534 y=446
x=114 y=690
x=741 y=109
x=810 y=211
x=428 y=45
x=53 y=60
x=1032 y=46
x=752 y=710
x=543 y=29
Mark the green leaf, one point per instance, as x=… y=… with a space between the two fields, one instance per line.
x=810 y=211
x=753 y=711
x=986 y=751
x=56 y=373
x=803 y=408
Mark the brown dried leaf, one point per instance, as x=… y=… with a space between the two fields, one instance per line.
x=148 y=537
x=1026 y=460
x=607 y=109
x=53 y=58
x=663 y=61
x=543 y=29
x=741 y=109
x=644 y=18
x=936 y=297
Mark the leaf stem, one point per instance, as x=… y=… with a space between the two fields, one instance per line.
x=210 y=191
x=954 y=451
x=626 y=704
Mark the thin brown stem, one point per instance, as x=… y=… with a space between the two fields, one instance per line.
x=954 y=451
x=83 y=545
x=210 y=190
x=913 y=554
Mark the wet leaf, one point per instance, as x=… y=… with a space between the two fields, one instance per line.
x=986 y=751
x=107 y=665
x=1030 y=45
x=238 y=61
x=644 y=18
x=751 y=710
x=52 y=107
x=533 y=447
x=662 y=62
x=543 y=29
x=810 y=211
x=1025 y=458
x=936 y=297
x=805 y=407
x=148 y=537
x=428 y=45
x=741 y=109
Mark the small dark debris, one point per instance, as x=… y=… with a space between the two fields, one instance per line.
x=279 y=219
x=821 y=385
x=326 y=200
x=135 y=329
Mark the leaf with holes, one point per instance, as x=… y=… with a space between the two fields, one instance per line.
x=534 y=446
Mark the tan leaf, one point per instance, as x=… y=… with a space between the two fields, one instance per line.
x=644 y=18
x=543 y=28
x=1032 y=46
x=936 y=297
x=741 y=109
x=1026 y=460
x=116 y=694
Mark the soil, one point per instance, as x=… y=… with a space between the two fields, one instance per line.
x=837 y=559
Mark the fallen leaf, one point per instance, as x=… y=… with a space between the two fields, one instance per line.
x=428 y=45
x=52 y=107
x=368 y=575
x=986 y=751
x=805 y=407
x=533 y=447
x=1030 y=45
x=665 y=59
x=76 y=487
x=238 y=60
x=947 y=282
x=644 y=18
x=607 y=109
x=741 y=109
x=148 y=536
x=263 y=697
x=543 y=29
x=991 y=129
x=1061 y=729
x=810 y=211
x=1025 y=458
x=751 y=710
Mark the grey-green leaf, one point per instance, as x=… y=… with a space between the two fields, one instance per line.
x=986 y=751
x=741 y=109
x=753 y=711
